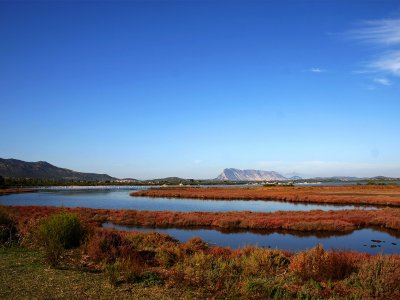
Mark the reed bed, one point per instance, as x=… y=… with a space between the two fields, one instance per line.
x=377 y=195
x=302 y=221
x=200 y=271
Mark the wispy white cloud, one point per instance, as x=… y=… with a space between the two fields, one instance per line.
x=385 y=34
x=382 y=81
x=317 y=70
x=389 y=62
x=364 y=71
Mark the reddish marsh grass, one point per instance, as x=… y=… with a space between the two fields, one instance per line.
x=387 y=195
x=316 y=220
x=203 y=272
x=319 y=264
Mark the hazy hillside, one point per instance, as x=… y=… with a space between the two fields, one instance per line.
x=21 y=169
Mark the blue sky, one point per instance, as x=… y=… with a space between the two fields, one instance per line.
x=150 y=89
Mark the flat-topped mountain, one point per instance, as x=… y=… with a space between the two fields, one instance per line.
x=15 y=168
x=231 y=174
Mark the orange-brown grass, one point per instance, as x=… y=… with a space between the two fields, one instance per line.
x=205 y=272
x=388 y=195
x=249 y=272
x=316 y=220
x=319 y=264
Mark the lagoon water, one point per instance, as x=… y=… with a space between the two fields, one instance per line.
x=119 y=198
x=358 y=240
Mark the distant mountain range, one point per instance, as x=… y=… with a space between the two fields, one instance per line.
x=231 y=174
x=15 y=168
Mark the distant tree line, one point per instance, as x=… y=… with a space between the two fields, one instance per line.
x=7 y=182
x=2 y=182
x=31 y=182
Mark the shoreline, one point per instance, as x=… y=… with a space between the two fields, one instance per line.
x=388 y=195
x=300 y=221
x=16 y=191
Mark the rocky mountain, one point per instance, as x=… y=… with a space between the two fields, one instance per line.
x=249 y=175
x=15 y=168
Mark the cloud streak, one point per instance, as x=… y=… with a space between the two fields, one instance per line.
x=388 y=63
x=384 y=32
x=386 y=35
x=317 y=70
x=383 y=81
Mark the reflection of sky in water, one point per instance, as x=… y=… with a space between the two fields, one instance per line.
x=354 y=241
x=120 y=199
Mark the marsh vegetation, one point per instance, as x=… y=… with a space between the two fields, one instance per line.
x=138 y=261
x=151 y=264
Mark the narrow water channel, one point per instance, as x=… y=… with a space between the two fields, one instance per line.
x=120 y=199
x=363 y=240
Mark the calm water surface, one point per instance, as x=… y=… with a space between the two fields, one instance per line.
x=358 y=240
x=119 y=198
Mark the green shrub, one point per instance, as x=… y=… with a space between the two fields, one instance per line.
x=149 y=279
x=166 y=258
x=262 y=262
x=262 y=288
x=59 y=232
x=216 y=276
x=131 y=269
x=380 y=276
x=111 y=272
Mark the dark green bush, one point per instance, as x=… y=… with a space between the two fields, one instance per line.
x=8 y=230
x=59 y=232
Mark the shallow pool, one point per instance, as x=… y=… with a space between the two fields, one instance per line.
x=358 y=240
x=120 y=199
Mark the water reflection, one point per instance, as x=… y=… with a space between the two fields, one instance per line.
x=364 y=240
x=120 y=199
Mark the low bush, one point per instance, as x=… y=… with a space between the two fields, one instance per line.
x=131 y=267
x=195 y=244
x=126 y=269
x=380 y=276
x=214 y=275
x=150 y=240
x=318 y=264
x=59 y=232
x=263 y=262
x=105 y=246
x=261 y=288
x=111 y=271
x=166 y=258
x=201 y=271
x=8 y=230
